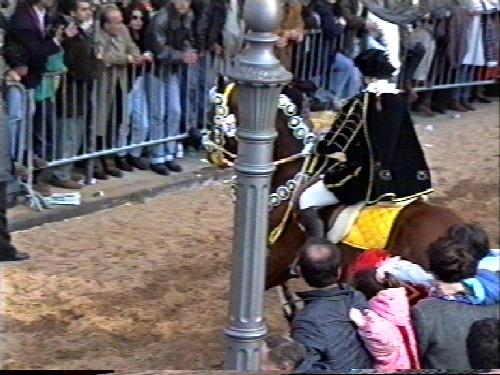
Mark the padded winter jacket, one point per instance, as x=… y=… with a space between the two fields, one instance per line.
x=388 y=333
x=441 y=328
x=325 y=329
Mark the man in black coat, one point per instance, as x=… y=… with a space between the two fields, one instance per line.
x=30 y=29
x=7 y=251
x=74 y=103
x=210 y=17
x=372 y=149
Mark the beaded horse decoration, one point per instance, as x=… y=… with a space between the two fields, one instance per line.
x=225 y=127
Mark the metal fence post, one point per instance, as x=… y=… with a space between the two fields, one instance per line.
x=260 y=78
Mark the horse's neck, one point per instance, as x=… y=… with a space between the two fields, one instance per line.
x=286 y=145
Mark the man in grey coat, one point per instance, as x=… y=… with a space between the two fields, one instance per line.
x=442 y=324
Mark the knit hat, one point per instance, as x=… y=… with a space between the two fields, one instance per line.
x=369 y=259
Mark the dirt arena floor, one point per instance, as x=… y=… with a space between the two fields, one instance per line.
x=144 y=286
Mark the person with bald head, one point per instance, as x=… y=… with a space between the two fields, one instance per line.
x=323 y=326
x=116 y=50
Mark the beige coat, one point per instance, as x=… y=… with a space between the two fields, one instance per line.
x=292 y=20
x=115 y=55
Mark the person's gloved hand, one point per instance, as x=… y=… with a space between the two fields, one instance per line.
x=341 y=171
x=324 y=148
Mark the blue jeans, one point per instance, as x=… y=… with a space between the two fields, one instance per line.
x=464 y=73
x=138 y=114
x=345 y=78
x=165 y=115
x=16 y=119
x=69 y=139
x=195 y=86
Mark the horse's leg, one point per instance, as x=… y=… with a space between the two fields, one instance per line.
x=283 y=253
x=287 y=302
x=417 y=227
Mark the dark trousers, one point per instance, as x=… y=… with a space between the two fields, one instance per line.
x=5 y=245
x=43 y=130
x=411 y=62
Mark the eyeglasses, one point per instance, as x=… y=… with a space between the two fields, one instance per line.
x=137 y=18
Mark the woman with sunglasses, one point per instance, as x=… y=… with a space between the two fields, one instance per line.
x=137 y=16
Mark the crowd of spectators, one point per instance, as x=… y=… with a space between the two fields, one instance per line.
x=375 y=321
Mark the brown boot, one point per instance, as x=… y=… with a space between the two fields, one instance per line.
x=42 y=188
x=454 y=105
x=99 y=172
x=424 y=110
x=66 y=184
x=467 y=105
x=110 y=167
x=77 y=176
x=478 y=95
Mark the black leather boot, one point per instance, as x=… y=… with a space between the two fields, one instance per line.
x=313 y=224
x=122 y=164
x=8 y=253
x=161 y=169
x=99 y=171
x=139 y=164
x=174 y=166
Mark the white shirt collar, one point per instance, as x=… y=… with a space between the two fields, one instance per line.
x=382 y=86
x=40 y=13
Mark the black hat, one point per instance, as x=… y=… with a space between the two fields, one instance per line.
x=374 y=63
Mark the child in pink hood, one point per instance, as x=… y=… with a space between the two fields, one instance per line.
x=385 y=326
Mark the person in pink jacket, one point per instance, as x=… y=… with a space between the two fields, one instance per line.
x=385 y=326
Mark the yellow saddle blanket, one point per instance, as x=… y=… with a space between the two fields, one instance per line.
x=372 y=227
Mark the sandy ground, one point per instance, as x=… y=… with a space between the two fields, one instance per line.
x=144 y=286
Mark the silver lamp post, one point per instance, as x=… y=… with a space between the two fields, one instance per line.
x=259 y=77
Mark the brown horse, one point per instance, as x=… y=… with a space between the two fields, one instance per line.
x=415 y=228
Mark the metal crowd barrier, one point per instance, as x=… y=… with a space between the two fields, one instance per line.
x=108 y=111
x=125 y=109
